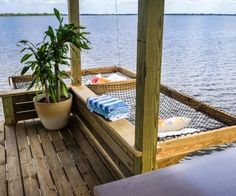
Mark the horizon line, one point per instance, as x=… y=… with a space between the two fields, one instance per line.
x=50 y=14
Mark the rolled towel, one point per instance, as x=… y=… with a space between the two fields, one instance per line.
x=92 y=101
x=114 y=115
x=109 y=107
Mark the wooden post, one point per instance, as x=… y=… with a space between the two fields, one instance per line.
x=73 y=15
x=149 y=57
x=8 y=109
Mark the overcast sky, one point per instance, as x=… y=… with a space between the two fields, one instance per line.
x=124 y=6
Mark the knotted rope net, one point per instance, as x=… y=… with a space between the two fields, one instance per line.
x=172 y=103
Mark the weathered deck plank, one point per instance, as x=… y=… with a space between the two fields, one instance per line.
x=15 y=186
x=34 y=161
x=72 y=172
x=3 y=189
x=60 y=179
x=44 y=176
x=82 y=163
x=29 y=177
x=100 y=169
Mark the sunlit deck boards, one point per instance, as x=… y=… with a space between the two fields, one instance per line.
x=34 y=161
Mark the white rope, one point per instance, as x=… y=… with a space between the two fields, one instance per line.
x=117 y=31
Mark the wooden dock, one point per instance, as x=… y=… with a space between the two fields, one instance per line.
x=34 y=161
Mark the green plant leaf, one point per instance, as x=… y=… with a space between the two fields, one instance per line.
x=32 y=84
x=25 y=69
x=50 y=32
x=23 y=50
x=25 y=57
x=33 y=66
x=57 y=14
x=43 y=48
x=65 y=74
x=23 y=41
x=52 y=94
x=64 y=89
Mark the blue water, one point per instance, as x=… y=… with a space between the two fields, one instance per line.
x=199 y=55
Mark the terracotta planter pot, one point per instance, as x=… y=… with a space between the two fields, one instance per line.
x=53 y=116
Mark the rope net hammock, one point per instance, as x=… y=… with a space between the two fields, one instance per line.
x=172 y=103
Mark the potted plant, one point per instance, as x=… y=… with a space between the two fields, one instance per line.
x=53 y=106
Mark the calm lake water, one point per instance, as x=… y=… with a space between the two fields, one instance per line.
x=199 y=51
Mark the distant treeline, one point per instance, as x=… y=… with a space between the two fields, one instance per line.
x=27 y=14
x=50 y=14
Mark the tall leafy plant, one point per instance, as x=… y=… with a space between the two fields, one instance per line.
x=38 y=59
x=46 y=58
x=60 y=39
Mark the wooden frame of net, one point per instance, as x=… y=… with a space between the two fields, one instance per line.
x=173 y=103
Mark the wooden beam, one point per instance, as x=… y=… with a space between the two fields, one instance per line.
x=17 y=92
x=149 y=56
x=178 y=147
x=8 y=109
x=73 y=11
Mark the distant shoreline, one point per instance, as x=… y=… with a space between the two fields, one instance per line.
x=50 y=14
x=28 y=14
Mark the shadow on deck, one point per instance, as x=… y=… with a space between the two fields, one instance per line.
x=34 y=161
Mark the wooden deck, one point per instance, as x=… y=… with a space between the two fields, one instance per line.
x=34 y=161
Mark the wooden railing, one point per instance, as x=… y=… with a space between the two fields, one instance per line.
x=18 y=105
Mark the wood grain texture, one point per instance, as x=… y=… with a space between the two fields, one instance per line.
x=184 y=145
x=121 y=162
x=100 y=151
x=42 y=162
x=122 y=131
x=8 y=109
x=127 y=72
x=100 y=169
x=73 y=11
x=3 y=188
x=22 y=98
x=17 y=92
x=26 y=115
x=58 y=174
x=162 y=163
x=18 y=105
x=125 y=85
x=15 y=186
x=30 y=183
x=82 y=163
x=149 y=58
x=104 y=132
x=44 y=177
x=75 y=178
x=110 y=139
x=25 y=106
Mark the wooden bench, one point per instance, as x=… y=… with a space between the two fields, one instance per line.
x=116 y=138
